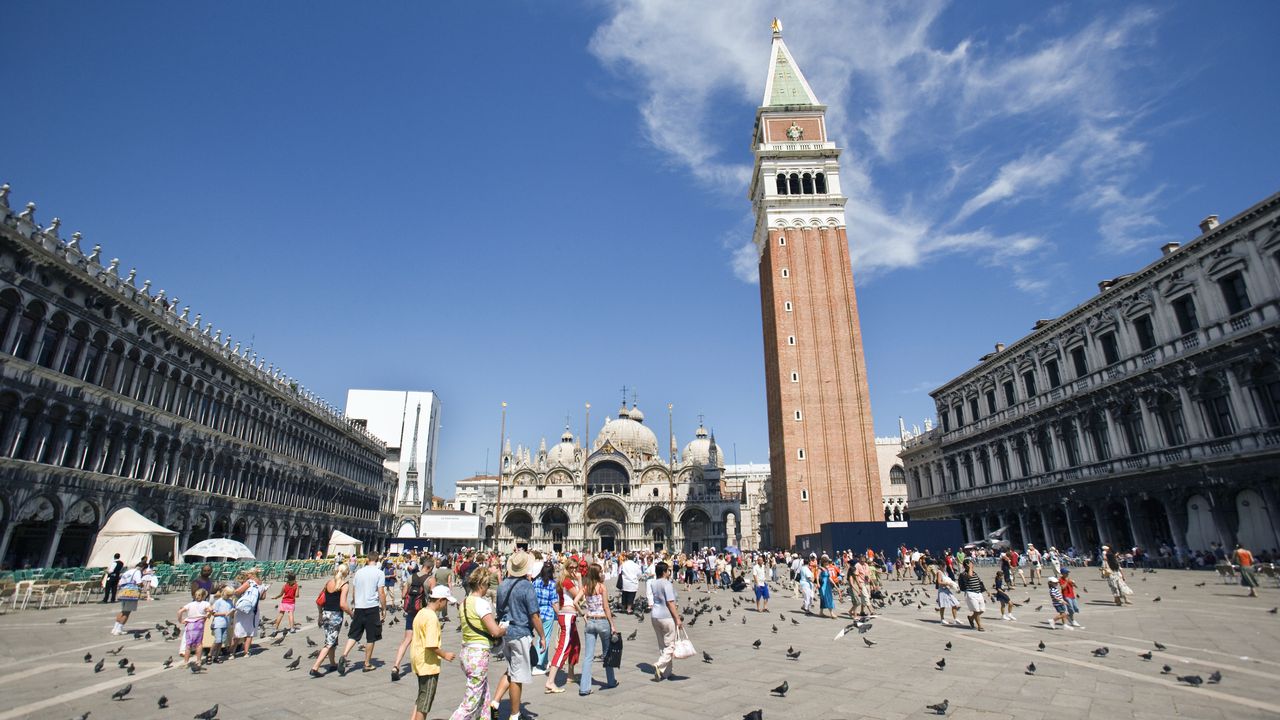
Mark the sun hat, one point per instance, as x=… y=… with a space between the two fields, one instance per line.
x=440 y=592
x=1052 y=580
x=518 y=564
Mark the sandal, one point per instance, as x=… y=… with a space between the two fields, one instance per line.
x=552 y=691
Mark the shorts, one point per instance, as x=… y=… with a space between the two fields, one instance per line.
x=628 y=597
x=975 y=602
x=1060 y=608
x=367 y=621
x=516 y=653
x=762 y=592
x=286 y=607
x=220 y=635
x=128 y=606
x=426 y=692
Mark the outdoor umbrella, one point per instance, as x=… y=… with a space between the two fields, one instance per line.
x=220 y=547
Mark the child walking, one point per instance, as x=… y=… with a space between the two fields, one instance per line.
x=425 y=652
x=192 y=617
x=287 y=597
x=1002 y=597
x=1059 y=605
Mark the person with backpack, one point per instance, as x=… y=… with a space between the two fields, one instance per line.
x=416 y=590
x=518 y=609
x=248 y=594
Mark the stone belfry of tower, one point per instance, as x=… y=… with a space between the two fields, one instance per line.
x=821 y=439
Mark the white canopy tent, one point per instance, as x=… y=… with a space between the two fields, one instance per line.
x=340 y=542
x=134 y=537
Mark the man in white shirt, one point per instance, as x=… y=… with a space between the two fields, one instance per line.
x=796 y=562
x=368 y=603
x=760 y=579
x=629 y=570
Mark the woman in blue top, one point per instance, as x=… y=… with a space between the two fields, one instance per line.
x=546 y=589
x=826 y=600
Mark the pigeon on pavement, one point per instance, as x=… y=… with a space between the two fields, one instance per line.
x=1192 y=680
x=941 y=664
x=940 y=708
x=163 y=702
x=209 y=714
x=1031 y=669
x=706 y=657
x=119 y=694
x=1215 y=678
x=781 y=690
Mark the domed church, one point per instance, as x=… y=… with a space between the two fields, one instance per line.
x=622 y=494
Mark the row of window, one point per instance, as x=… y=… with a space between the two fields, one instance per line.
x=1235 y=296
x=1092 y=433
x=802 y=184
x=55 y=343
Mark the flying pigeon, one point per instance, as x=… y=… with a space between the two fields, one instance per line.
x=941 y=664
x=119 y=694
x=781 y=690
x=706 y=657
x=1215 y=678
x=1031 y=669
x=940 y=708
x=209 y=714
x=163 y=702
x=863 y=628
x=1192 y=680
x=117 y=651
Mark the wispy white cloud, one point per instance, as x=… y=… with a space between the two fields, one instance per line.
x=897 y=95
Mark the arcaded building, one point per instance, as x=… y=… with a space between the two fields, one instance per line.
x=821 y=440
x=112 y=395
x=622 y=493
x=1147 y=415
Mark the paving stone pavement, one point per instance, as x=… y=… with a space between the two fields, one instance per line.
x=1206 y=628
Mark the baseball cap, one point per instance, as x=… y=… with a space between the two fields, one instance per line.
x=440 y=592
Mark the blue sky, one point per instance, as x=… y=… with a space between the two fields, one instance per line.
x=542 y=202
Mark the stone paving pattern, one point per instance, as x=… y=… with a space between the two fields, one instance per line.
x=1207 y=628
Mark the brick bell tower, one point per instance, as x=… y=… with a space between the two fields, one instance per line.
x=821 y=439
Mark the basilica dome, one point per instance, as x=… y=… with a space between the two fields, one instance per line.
x=699 y=450
x=628 y=434
x=562 y=454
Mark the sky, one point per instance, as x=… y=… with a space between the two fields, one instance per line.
x=541 y=203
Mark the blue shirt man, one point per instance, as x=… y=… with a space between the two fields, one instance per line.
x=517 y=604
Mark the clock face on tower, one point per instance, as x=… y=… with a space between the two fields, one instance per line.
x=795 y=132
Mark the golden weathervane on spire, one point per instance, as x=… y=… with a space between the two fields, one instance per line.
x=777 y=26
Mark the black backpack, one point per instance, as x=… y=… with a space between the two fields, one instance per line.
x=415 y=596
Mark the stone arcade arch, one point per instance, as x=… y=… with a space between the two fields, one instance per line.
x=657 y=527
x=555 y=527
x=695 y=524
x=1256 y=529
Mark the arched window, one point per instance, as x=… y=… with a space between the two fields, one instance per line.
x=25 y=336
x=897 y=476
x=1131 y=424
x=807 y=184
x=782 y=184
x=1266 y=386
x=820 y=183
x=794 y=184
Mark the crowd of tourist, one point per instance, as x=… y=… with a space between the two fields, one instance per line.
x=552 y=614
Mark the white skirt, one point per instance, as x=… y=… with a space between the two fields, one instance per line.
x=946 y=599
x=975 y=602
